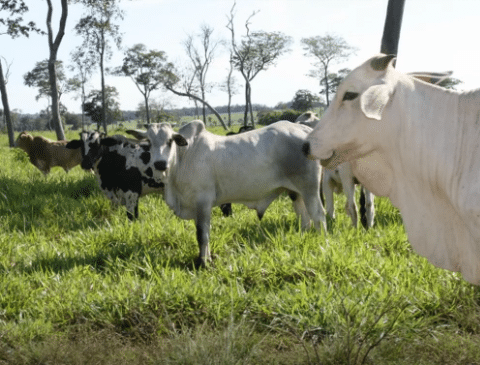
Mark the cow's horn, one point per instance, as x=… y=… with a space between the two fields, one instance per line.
x=381 y=63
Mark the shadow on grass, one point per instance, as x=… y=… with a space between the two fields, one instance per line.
x=102 y=260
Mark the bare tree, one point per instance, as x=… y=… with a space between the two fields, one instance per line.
x=15 y=26
x=230 y=85
x=257 y=52
x=201 y=58
x=326 y=50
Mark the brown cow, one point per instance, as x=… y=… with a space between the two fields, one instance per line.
x=45 y=153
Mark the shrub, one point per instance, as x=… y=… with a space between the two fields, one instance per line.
x=266 y=118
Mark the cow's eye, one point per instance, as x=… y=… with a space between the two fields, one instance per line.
x=349 y=95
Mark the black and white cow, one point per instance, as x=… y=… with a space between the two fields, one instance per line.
x=121 y=167
x=201 y=170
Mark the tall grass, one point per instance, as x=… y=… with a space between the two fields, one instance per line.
x=77 y=275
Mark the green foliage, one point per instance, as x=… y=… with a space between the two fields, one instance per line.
x=303 y=100
x=267 y=118
x=81 y=284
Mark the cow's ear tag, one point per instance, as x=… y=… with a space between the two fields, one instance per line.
x=374 y=100
x=180 y=140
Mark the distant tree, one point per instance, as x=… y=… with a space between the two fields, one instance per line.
x=94 y=107
x=83 y=65
x=201 y=58
x=450 y=83
x=181 y=83
x=98 y=29
x=230 y=85
x=146 y=69
x=14 y=26
x=39 y=77
x=256 y=52
x=327 y=50
x=333 y=81
x=303 y=100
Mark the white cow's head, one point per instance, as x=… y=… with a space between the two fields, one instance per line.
x=344 y=132
x=164 y=142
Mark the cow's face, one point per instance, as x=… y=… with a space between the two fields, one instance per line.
x=23 y=141
x=89 y=142
x=163 y=141
x=345 y=130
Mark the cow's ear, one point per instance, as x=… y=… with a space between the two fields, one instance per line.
x=73 y=145
x=109 y=142
x=180 y=140
x=374 y=100
x=137 y=133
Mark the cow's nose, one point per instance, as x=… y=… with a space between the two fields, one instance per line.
x=160 y=165
x=306 y=149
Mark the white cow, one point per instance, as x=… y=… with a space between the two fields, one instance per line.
x=201 y=170
x=419 y=145
x=342 y=179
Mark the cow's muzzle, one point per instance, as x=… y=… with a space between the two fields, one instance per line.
x=160 y=165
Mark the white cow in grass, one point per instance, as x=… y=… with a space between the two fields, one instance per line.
x=342 y=179
x=419 y=145
x=201 y=170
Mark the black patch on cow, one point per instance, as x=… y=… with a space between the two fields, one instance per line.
x=149 y=172
x=145 y=157
x=114 y=174
x=152 y=183
x=145 y=147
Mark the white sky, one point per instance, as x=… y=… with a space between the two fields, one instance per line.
x=437 y=35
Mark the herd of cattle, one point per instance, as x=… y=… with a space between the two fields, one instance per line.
x=396 y=134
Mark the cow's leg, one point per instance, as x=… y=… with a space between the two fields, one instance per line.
x=202 y=222
x=348 y=186
x=328 y=192
x=300 y=210
x=369 y=207
x=131 y=203
x=314 y=208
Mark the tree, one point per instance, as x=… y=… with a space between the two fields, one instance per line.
x=202 y=58
x=326 y=50
x=53 y=45
x=333 y=81
x=83 y=64
x=15 y=26
x=39 y=77
x=146 y=69
x=303 y=100
x=230 y=85
x=256 y=52
x=98 y=29
x=97 y=108
x=181 y=83
x=450 y=83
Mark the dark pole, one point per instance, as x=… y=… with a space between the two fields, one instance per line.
x=391 y=30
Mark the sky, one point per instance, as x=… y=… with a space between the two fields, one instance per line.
x=436 y=35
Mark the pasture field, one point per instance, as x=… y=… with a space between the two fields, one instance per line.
x=80 y=284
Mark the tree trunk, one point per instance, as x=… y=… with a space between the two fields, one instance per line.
x=245 y=114
x=102 y=72
x=6 y=108
x=327 y=94
x=250 y=105
x=147 y=108
x=53 y=46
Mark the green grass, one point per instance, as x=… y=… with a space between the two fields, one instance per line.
x=81 y=284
